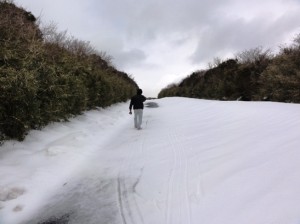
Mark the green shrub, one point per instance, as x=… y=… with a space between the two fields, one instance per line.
x=281 y=80
x=257 y=76
x=42 y=81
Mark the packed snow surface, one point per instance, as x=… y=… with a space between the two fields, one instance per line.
x=195 y=161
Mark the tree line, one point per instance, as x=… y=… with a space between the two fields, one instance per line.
x=47 y=76
x=254 y=74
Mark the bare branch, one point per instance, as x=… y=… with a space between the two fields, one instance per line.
x=252 y=55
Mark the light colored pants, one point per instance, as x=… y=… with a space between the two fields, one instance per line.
x=138 y=118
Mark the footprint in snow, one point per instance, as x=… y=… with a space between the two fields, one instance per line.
x=7 y=194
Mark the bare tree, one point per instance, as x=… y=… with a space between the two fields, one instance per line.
x=106 y=57
x=216 y=62
x=254 y=54
x=72 y=44
x=296 y=42
x=79 y=47
x=51 y=35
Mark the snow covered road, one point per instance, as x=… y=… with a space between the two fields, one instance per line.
x=195 y=161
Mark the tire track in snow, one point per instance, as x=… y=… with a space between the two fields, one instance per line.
x=170 y=184
x=185 y=198
x=126 y=188
x=178 y=183
x=125 y=204
x=125 y=210
x=120 y=201
x=186 y=181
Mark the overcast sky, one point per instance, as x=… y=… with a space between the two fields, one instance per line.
x=159 y=42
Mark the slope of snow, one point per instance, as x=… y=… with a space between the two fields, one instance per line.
x=195 y=161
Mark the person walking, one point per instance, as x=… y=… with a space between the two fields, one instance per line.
x=137 y=102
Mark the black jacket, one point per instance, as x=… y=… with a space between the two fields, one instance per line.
x=137 y=102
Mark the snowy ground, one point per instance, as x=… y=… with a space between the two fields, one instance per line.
x=195 y=161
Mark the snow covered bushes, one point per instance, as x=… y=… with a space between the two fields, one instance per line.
x=44 y=80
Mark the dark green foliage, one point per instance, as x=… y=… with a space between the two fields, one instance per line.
x=257 y=77
x=281 y=80
x=42 y=82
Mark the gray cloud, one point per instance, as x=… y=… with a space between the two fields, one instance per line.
x=134 y=57
x=169 y=37
x=231 y=35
